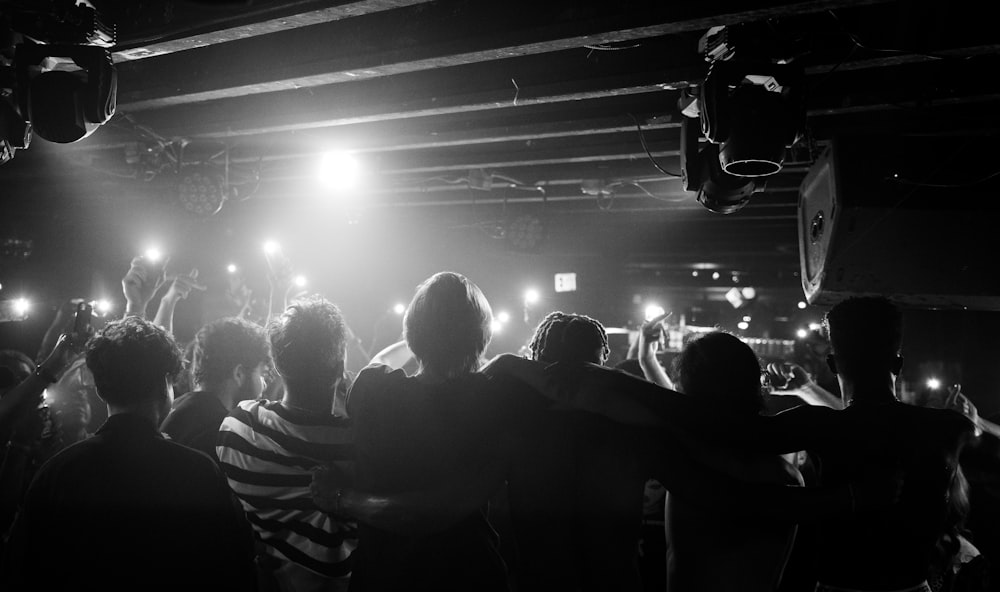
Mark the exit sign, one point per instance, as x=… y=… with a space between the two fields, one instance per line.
x=565 y=282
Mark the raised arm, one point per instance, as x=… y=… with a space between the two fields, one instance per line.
x=180 y=288
x=141 y=281
x=649 y=335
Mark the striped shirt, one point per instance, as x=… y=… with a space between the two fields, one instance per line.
x=267 y=452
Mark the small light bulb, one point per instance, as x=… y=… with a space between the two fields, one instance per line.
x=743 y=325
x=399 y=309
x=271 y=247
x=22 y=306
x=531 y=296
x=231 y=268
x=933 y=384
x=300 y=281
x=503 y=316
x=153 y=255
x=802 y=333
x=802 y=305
x=715 y=275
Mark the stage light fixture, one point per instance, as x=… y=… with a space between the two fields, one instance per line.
x=496 y=326
x=399 y=309
x=531 y=296
x=933 y=384
x=802 y=305
x=21 y=307
x=715 y=275
x=201 y=190
x=654 y=310
x=503 y=316
x=525 y=233
x=694 y=273
x=802 y=333
x=743 y=325
x=715 y=189
x=339 y=170
x=815 y=327
x=300 y=281
x=231 y=268
x=271 y=247
x=746 y=319
x=749 y=293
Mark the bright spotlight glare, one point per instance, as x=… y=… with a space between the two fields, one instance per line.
x=743 y=325
x=933 y=384
x=531 y=296
x=749 y=293
x=231 y=268
x=399 y=309
x=802 y=305
x=102 y=306
x=271 y=247
x=300 y=281
x=503 y=316
x=653 y=311
x=153 y=255
x=496 y=325
x=715 y=275
x=746 y=319
x=802 y=333
x=339 y=170
x=22 y=306
x=815 y=326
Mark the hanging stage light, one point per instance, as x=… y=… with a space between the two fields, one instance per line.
x=201 y=190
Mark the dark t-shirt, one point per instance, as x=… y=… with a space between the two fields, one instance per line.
x=410 y=436
x=194 y=421
x=152 y=514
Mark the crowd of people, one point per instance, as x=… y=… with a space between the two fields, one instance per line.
x=276 y=470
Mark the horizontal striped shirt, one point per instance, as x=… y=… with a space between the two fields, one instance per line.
x=267 y=452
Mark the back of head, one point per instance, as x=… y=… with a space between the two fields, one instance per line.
x=448 y=325
x=14 y=368
x=720 y=367
x=562 y=337
x=222 y=345
x=308 y=342
x=130 y=359
x=865 y=334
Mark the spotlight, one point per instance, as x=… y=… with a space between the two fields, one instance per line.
x=231 y=268
x=746 y=319
x=715 y=189
x=153 y=255
x=735 y=297
x=525 y=233
x=749 y=293
x=531 y=296
x=201 y=190
x=715 y=275
x=21 y=307
x=503 y=316
x=339 y=171
x=694 y=273
x=743 y=325
x=102 y=306
x=300 y=281
x=271 y=247
x=496 y=326
x=815 y=326
x=399 y=309
x=933 y=384
x=802 y=305
x=653 y=311
x=750 y=108
x=802 y=333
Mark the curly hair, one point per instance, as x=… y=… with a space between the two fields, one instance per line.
x=308 y=340
x=130 y=358
x=720 y=367
x=562 y=337
x=224 y=344
x=448 y=325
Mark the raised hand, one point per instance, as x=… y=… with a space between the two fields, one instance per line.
x=141 y=281
x=182 y=285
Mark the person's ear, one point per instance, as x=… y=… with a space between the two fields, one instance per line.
x=239 y=375
x=897 y=365
x=831 y=363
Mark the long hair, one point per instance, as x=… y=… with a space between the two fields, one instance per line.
x=448 y=325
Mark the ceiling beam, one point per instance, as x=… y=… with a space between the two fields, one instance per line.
x=285 y=16
x=416 y=38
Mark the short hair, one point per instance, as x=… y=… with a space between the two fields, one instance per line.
x=448 y=325
x=562 y=337
x=865 y=330
x=130 y=358
x=308 y=340
x=224 y=344
x=719 y=367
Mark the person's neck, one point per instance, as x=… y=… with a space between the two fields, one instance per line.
x=874 y=389
x=317 y=404
x=149 y=410
x=227 y=393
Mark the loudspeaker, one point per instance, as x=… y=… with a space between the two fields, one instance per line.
x=910 y=218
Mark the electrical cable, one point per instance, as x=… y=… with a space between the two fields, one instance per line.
x=642 y=140
x=857 y=42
